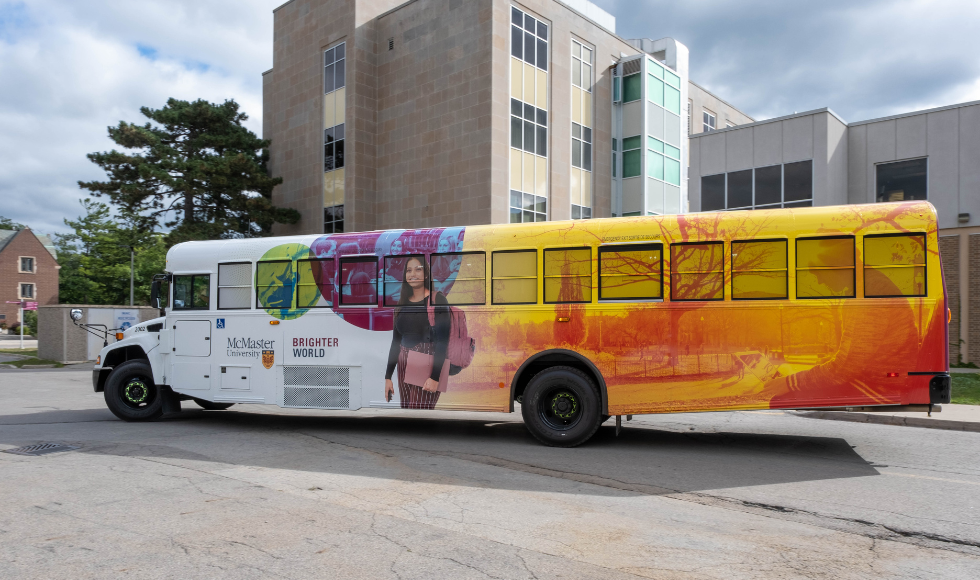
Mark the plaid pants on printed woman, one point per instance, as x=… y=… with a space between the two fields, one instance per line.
x=412 y=396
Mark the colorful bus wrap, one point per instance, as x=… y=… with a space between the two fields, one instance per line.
x=803 y=308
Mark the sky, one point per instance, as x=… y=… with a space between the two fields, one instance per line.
x=71 y=68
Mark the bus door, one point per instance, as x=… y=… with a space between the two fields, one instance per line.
x=192 y=352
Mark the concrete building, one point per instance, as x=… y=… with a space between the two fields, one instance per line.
x=817 y=158
x=28 y=271
x=393 y=114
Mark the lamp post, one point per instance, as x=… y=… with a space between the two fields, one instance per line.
x=132 y=270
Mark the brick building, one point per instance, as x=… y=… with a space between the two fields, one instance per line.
x=395 y=114
x=28 y=271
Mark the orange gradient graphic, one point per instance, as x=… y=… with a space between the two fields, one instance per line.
x=757 y=309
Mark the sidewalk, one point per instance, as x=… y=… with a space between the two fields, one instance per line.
x=952 y=418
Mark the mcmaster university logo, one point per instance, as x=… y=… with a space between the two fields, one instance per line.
x=268 y=358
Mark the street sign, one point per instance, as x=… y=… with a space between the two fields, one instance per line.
x=14 y=302
x=30 y=305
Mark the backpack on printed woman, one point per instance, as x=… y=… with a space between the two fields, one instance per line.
x=461 y=345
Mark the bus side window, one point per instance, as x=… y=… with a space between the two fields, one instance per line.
x=192 y=292
x=894 y=265
x=759 y=270
x=234 y=286
x=314 y=283
x=825 y=267
x=461 y=277
x=567 y=275
x=359 y=281
x=697 y=271
x=394 y=275
x=515 y=277
x=633 y=272
x=274 y=284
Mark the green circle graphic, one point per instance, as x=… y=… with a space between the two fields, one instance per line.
x=276 y=279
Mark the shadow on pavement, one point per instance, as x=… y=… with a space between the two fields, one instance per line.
x=641 y=461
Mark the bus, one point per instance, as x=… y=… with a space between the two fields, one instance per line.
x=575 y=321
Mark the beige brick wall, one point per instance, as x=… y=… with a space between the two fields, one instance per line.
x=949 y=251
x=434 y=115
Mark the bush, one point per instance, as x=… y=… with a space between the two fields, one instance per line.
x=14 y=328
x=30 y=322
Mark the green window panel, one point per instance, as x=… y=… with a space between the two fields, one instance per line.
x=632 y=88
x=655 y=144
x=631 y=163
x=616 y=90
x=672 y=171
x=655 y=165
x=672 y=151
x=632 y=143
x=655 y=90
x=672 y=79
x=672 y=100
x=655 y=69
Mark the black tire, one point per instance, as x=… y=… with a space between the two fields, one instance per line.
x=131 y=394
x=561 y=407
x=209 y=406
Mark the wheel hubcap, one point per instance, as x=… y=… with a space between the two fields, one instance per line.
x=564 y=405
x=136 y=392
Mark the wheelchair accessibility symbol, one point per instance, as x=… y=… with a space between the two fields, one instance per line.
x=221 y=323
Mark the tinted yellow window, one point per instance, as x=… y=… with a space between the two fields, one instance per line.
x=825 y=267
x=631 y=273
x=759 y=270
x=515 y=278
x=697 y=271
x=274 y=284
x=895 y=265
x=310 y=276
x=461 y=277
x=568 y=275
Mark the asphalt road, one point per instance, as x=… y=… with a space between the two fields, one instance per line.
x=260 y=492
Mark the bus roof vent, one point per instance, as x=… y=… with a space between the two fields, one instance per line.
x=316 y=387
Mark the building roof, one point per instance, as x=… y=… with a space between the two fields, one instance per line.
x=773 y=120
x=7 y=235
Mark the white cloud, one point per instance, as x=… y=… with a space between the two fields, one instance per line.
x=71 y=69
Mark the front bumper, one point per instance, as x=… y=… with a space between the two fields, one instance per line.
x=98 y=378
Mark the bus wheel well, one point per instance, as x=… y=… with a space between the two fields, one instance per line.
x=116 y=357
x=551 y=358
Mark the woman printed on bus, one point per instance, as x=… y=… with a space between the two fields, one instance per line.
x=418 y=348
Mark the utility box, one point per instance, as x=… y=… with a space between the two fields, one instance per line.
x=60 y=340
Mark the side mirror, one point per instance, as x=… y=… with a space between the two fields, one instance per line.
x=76 y=314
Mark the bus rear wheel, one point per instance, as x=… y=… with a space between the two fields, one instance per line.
x=211 y=406
x=561 y=407
x=131 y=394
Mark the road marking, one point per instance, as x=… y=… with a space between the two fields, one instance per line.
x=929 y=478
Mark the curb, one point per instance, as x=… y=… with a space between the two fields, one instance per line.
x=924 y=422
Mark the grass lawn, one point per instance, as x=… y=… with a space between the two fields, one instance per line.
x=33 y=361
x=966 y=389
x=25 y=352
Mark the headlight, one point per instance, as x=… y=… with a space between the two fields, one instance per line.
x=98 y=360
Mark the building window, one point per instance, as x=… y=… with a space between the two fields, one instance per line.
x=632 y=151
x=27 y=291
x=729 y=124
x=334 y=150
x=901 y=180
x=529 y=118
x=581 y=177
x=709 y=121
x=772 y=187
x=26 y=265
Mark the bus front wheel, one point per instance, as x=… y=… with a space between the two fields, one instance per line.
x=561 y=407
x=131 y=394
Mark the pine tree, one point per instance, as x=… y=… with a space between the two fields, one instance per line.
x=197 y=161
